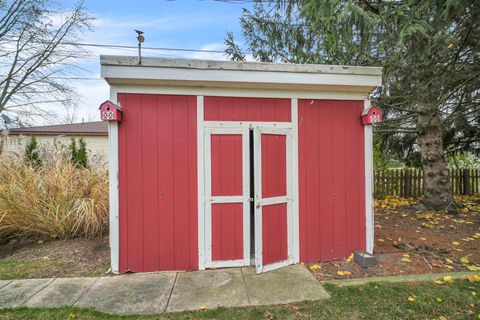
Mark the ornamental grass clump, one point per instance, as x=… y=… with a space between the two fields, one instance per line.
x=58 y=199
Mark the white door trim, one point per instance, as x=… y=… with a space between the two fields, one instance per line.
x=260 y=201
x=295 y=173
x=209 y=199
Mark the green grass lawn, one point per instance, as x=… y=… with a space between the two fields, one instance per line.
x=23 y=269
x=459 y=300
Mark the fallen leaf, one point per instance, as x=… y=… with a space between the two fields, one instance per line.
x=456 y=243
x=423 y=239
x=406 y=260
x=464 y=260
x=448 y=279
x=315 y=267
x=442 y=318
x=473 y=293
x=473 y=268
x=449 y=260
x=439 y=299
x=412 y=298
x=438 y=282
x=344 y=273
x=474 y=278
x=203 y=308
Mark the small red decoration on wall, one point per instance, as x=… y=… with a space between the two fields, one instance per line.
x=371 y=115
x=110 y=111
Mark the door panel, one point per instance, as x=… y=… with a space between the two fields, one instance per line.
x=273 y=198
x=227 y=231
x=226 y=165
x=227 y=218
x=274 y=233
x=274 y=180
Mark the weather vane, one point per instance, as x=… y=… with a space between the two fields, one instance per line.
x=140 y=39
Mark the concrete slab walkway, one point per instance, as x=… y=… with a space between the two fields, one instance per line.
x=148 y=293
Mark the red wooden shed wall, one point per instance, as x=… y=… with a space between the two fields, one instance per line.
x=331 y=179
x=158 y=183
x=247 y=109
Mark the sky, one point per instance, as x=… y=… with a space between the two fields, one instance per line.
x=191 y=24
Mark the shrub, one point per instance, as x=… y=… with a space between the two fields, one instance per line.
x=32 y=155
x=79 y=155
x=56 y=200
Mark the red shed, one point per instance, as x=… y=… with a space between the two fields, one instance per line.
x=222 y=164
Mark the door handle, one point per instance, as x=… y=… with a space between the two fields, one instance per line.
x=258 y=205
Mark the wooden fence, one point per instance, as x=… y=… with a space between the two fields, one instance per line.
x=409 y=182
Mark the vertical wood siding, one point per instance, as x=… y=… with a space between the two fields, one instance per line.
x=274 y=233
x=331 y=179
x=227 y=218
x=158 y=183
x=247 y=109
x=227 y=231
x=274 y=184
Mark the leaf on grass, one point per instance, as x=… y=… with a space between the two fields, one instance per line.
x=473 y=293
x=474 y=278
x=412 y=298
x=448 y=279
x=439 y=299
x=203 y=308
x=438 y=282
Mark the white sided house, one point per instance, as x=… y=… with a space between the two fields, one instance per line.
x=225 y=164
x=95 y=135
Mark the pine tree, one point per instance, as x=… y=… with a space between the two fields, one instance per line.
x=31 y=152
x=430 y=52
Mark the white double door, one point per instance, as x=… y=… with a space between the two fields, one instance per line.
x=229 y=170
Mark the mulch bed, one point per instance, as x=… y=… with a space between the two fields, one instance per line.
x=409 y=241
x=77 y=257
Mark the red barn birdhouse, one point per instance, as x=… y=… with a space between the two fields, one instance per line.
x=110 y=111
x=371 y=115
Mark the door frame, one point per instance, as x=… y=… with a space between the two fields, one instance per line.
x=244 y=198
x=259 y=130
x=202 y=125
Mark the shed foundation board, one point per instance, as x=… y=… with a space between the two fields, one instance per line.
x=17 y=292
x=130 y=294
x=286 y=285
x=210 y=288
x=61 y=292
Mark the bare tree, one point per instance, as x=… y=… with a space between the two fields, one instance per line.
x=37 y=48
x=70 y=113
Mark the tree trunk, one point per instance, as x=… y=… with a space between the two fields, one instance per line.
x=437 y=191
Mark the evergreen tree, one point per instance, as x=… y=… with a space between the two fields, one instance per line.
x=31 y=152
x=430 y=52
x=78 y=154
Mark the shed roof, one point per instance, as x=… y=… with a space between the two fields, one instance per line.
x=125 y=70
x=96 y=128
